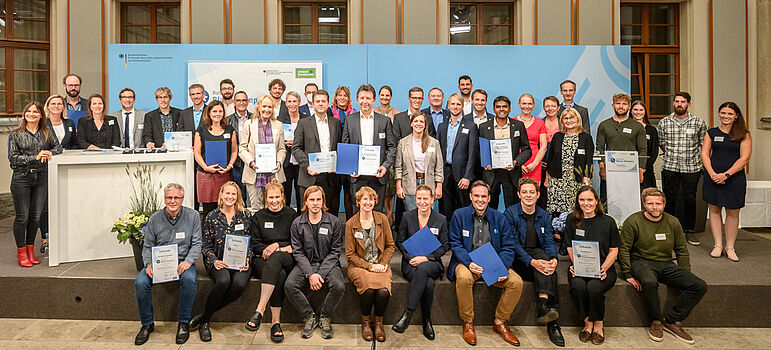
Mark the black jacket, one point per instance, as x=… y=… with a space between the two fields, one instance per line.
x=306 y=140
x=330 y=244
x=87 y=126
x=383 y=137
x=520 y=147
x=402 y=127
x=153 y=131
x=582 y=158
x=70 y=139
x=409 y=226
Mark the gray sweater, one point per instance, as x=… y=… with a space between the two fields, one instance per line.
x=160 y=231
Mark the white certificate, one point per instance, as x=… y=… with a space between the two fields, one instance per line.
x=289 y=131
x=586 y=258
x=235 y=252
x=369 y=160
x=265 y=157
x=323 y=162
x=165 y=263
x=500 y=154
x=178 y=140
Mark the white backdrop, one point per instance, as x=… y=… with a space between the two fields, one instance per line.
x=253 y=76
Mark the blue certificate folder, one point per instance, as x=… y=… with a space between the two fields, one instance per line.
x=485 y=157
x=421 y=243
x=347 y=158
x=75 y=115
x=216 y=153
x=492 y=266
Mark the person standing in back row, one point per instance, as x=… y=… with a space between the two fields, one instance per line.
x=680 y=137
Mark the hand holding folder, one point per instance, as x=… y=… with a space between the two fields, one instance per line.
x=492 y=266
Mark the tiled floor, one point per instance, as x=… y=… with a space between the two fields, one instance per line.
x=104 y=335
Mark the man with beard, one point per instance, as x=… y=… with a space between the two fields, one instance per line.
x=276 y=89
x=465 y=86
x=72 y=83
x=649 y=238
x=681 y=135
x=620 y=133
x=227 y=88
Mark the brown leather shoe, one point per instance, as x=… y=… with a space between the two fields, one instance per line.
x=506 y=333
x=366 y=328
x=379 y=331
x=597 y=339
x=677 y=330
x=469 y=334
x=584 y=336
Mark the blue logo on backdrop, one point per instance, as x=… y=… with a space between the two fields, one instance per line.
x=205 y=97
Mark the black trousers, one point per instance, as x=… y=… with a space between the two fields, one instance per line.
x=650 y=273
x=348 y=198
x=274 y=271
x=503 y=181
x=672 y=182
x=649 y=179
x=44 y=221
x=589 y=294
x=421 y=290
x=329 y=183
x=546 y=284
x=30 y=193
x=452 y=197
x=228 y=287
x=290 y=185
x=372 y=182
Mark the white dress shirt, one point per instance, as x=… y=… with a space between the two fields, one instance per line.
x=322 y=127
x=367 y=129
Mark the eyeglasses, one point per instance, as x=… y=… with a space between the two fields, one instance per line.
x=416 y=98
x=242 y=100
x=227 y=88
x=71 y=85
x=129 y=97
x=175 y=199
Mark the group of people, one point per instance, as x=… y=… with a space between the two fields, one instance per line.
x=425 y=155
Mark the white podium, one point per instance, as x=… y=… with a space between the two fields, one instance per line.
x=88 y=191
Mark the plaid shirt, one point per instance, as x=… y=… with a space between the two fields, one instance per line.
x=682 y=143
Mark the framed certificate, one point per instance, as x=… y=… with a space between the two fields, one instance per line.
x=165 y=263
x=265 y=157
x=323 y=162
x=586 y=259
x=235 y=252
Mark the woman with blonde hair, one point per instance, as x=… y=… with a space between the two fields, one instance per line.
x=369 y=247
x=56 y=120
x=210 y=177
x=341 y=104
x=272 y=256
x=263 y=128
x=569 y=163
x=30 y=147
x=536 y=135
x=229 y=218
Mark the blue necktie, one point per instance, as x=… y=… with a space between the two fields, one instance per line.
x=126 y=131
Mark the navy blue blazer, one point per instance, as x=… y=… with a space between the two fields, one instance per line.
x=409 y=226
x=445 y=114
x=461 y=233
x=70 y=139
x=516 y=218
x=465 y=152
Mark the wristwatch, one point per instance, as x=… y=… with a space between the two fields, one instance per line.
x=727 y=175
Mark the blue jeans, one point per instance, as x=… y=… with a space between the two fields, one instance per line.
x=29 y=190
x=143 y=285
x=409 y=200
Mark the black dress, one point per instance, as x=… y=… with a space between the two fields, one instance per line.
x=725 y=152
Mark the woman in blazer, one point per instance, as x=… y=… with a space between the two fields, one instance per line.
x=97 y=130
x=56 y=118
x=570 y=162
x=369 y=247
x=230 y=217
x=418 y=161
x=421 y=271
x=262 y=128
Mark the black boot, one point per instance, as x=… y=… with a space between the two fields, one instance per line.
x=555 y=333
x=401 y=325
x=545 y=313
x=428 y=329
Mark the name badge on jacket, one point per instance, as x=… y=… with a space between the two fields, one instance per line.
x=381 y=135
x=141 y=126
x=581 y=151
x=324 y=230
x=466 y=233
x=431 y=149
x=434 y=230
x=226 y=135
x=516 y=133
x=180 y=235
x=627 y=130
x=357 y=234
x=580 y=232
x=70 y=128
x=239 y=227
x=268 y=224
x=111 y=122
x=464 y=131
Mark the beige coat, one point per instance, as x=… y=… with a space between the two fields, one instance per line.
x=404 y=167
x=249 y=137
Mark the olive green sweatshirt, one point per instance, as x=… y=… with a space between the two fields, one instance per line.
x=652 y=240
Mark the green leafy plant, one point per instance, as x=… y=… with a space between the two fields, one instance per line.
x=144 y=201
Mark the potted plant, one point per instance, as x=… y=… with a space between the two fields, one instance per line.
x=144 y=201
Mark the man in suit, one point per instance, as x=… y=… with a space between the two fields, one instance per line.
x=503 y=127
x=568 y=91
x=319 y=133
x=470 y=228
x=479 y=113
x=458 y=138
x=369 y=128
x=191 y=116
x=237 y=120
x=276 y=89
x=307 y=108
x=402 y=120
x=165 y=118
x=130 y=120
x=435 y=110
x=72 y=83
